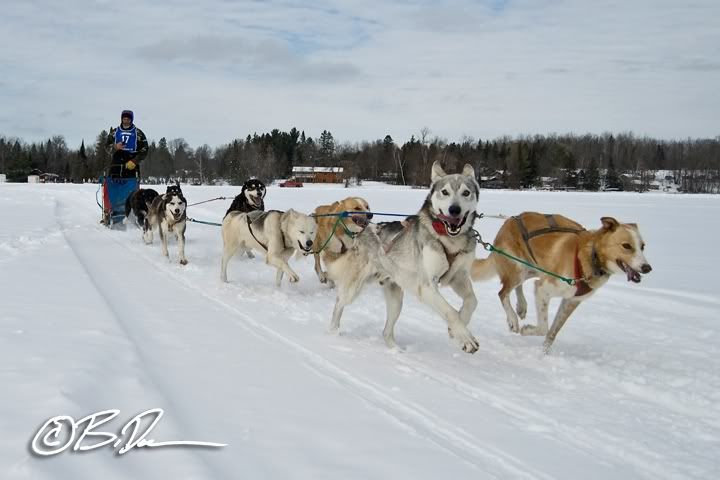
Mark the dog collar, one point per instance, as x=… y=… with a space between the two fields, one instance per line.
x=581 y=286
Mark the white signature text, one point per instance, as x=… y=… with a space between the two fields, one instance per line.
x=63 y=432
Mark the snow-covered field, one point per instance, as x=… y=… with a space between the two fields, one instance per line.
x=92 y=319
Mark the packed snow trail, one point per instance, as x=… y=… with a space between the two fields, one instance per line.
x=631 y=390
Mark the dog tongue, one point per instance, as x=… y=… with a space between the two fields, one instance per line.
x=452 y=221
x=632 y=275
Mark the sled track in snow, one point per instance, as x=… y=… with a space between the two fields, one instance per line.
x=430 y=426
x=414 y=418
x=573 y=437
x=117 y=313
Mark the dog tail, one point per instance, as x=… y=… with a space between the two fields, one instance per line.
x=483 y=269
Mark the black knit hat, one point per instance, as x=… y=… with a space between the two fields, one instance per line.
x=127 y=113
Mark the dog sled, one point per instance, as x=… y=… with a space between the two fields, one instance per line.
x=115 y=192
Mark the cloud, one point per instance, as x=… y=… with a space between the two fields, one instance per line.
x=700 y=65
x=264 y=60
x=212 y=71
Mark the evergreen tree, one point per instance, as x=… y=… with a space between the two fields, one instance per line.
x=237 y=172
x=531 y=172
x=612 y=179
x=102 y=156
x=164 y=160
x=592 y=177
x=327 y=148
x=19 y=164
x=388 y=143
x=82 y=169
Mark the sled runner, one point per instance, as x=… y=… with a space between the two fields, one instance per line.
x=115 y=192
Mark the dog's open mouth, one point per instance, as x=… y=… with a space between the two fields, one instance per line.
x=453 y=225
x=632 y=274
x=177 y=216
x=360 y=220
x=256 y=201
x=306 y=250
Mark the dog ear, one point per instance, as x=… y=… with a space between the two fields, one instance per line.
x=468 y=171
x=609 y=223
x=437 y=171
x=634 y=226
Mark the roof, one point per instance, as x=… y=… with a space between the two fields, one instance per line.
x=317 y=170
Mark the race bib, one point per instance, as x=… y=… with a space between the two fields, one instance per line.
x=128 y=138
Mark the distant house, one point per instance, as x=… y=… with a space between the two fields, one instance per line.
x=50 y=178
x=318 y=174
x=389 y=177
x=495 y=180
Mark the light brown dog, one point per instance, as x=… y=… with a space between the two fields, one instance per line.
x=560 y=245
x=344 y=230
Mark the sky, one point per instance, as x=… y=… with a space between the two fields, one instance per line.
x=214 y=70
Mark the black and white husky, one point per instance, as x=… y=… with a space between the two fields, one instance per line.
x=168 y=214
x=251 y=197
x=138 y=204
x=434 y=248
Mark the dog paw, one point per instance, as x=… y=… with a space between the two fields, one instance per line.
x=531 y=330
x=390 y=342
x=522 y=312
x=466 y=340
x=183 y=261
x=293 y=278
x=323 y=277
x=471 y=346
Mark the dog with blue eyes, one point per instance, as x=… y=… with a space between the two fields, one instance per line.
x=168 y=213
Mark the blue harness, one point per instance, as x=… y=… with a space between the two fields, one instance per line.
x=127 y=137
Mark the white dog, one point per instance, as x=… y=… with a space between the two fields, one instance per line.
x=277 y=234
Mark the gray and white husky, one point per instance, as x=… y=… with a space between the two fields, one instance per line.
x=434 y=248
x=277 y=234
x=168 y=213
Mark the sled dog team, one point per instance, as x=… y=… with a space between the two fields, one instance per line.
x=426 y=251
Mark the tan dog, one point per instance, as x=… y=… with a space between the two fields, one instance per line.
x=560 y=245
x=341 y=240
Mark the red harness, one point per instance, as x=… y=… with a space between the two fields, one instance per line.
x=581 y=286
x=439 y=227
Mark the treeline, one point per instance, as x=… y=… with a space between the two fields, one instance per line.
x=590 y=162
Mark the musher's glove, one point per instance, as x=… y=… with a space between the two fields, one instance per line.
x=130 y=165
